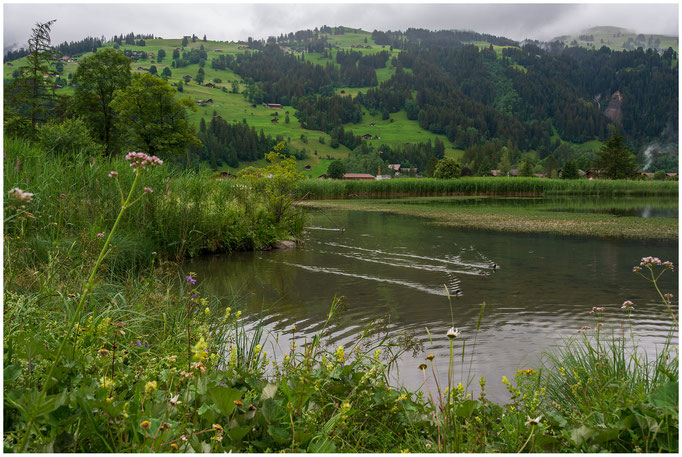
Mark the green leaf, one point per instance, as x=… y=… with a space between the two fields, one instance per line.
x=224 y=398
x=280 y=435
x=11 y=373
x=465 y=408
x=579 y=436
x=269 y=391
x=322 y=447
x=238 y=433
x=666 y=397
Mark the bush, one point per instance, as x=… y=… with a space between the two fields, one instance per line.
x=660 y=175
x=336 y=170
x=447 y=168
x=70 y=137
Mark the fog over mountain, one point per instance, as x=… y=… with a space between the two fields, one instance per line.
x=237 y=22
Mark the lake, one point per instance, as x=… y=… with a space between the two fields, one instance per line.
x=538 y=289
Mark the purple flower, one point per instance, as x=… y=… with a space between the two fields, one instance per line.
x=142 y=160
x=139 y=343
x=113 y=174
x=190 y=279
x=148 y=190
x=146 y=345
x=100 y=235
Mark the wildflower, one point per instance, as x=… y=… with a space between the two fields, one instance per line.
x=597 y=309
x=174 y=400
x=669 y=264
x=199 y=349
x=430 y=357
x=153 y=252
x=199 y=366
x=148 y=190
x=186 y=374
x=108 y=399
x=627 y=304
x=63 y=196
x=293 y=328
x=165 y=426
x=218 y=438
x=345 y=406
x=106 y=383
x=141 y=160
x=452 y=333
x=422 y=366
x=139 y=343
x=103 y=352
x=238 y=314
x=238 y=403
x=207 y=311
x=20 y=195
x=218 y=427
x=113 y=174
x=228 y=310
x=340 y=354
x=150 y=387
x=100 y=235
x=535 y=421
x=190 y=279
x=636 y=269
x=145 y=424
x=174 y=446
x=258 y=348
x=585 y=327
x=668 y=296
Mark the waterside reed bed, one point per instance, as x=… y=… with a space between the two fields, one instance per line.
x=334 y=189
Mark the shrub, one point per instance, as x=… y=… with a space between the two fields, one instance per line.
x=447 y=168
x=336 y=170
x=68 y=137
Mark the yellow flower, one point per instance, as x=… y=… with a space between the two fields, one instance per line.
x=238 y=314
x=238 y=403
x=340 y=354
x=228 y=310
x=174 y=446
x=430 y=357
x=108 y=400
x=106 y=383
x=218 y=427
x=150 y=387
x=199 y=349
x=207 y=311
x=145 y=424
x=345 y=406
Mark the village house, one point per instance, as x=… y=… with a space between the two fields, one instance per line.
x=367 y=136
x=274 y=106
x=210 y=85
x=274 y=120
x=358 y=177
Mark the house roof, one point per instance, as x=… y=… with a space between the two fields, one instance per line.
x=357 y=176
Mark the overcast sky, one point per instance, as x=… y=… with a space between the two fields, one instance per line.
x=239 y=21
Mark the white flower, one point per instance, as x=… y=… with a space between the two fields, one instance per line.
x=452 y=333
x=535 y=421
x=174 y=400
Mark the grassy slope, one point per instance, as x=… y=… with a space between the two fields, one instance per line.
x=234 y=107
x=615 y=37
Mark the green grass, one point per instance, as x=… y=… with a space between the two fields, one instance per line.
x=519 y=219
x=318 y=189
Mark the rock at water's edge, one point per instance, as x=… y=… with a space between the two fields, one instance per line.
x=285 y=244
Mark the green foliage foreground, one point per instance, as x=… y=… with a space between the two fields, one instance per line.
x=142 y=362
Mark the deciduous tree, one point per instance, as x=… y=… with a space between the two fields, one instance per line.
x=156 y=123
x=97 y=79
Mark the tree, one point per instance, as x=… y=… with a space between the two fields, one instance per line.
x=155 y=121
x=166 y=73
x=30 y=94
x=526 y=169
x=160 y=55
x=176 y=54
x=185 y=42
x=204 y=40
x=570 y=170
x=336 y=170
x=153 y=70
x=181 y=87
x=235 y=86
x=615 y=159
x=447 y=168
x=200 y=76
x=660 y=175
x=97 y=79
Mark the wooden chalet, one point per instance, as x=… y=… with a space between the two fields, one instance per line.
x=358 y=177
x=366 y=136
x=274 y=106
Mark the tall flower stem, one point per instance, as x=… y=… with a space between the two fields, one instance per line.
x=79 y=309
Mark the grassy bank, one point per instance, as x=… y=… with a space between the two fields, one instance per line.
x=108 y=346
x=455 y=212
x=186 y=214
x=421 y=187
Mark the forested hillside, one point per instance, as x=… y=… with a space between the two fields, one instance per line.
x=364 y=97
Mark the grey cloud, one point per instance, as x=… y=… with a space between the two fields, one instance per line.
x=235 y=22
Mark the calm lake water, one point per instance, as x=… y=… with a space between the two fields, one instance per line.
x=540 y=291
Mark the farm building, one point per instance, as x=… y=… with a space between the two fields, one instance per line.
x=358 y=176
x=274 y=121
x=274 y=106
x=367 y=136
x=210 y=85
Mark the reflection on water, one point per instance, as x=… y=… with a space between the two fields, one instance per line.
x=538 y=289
